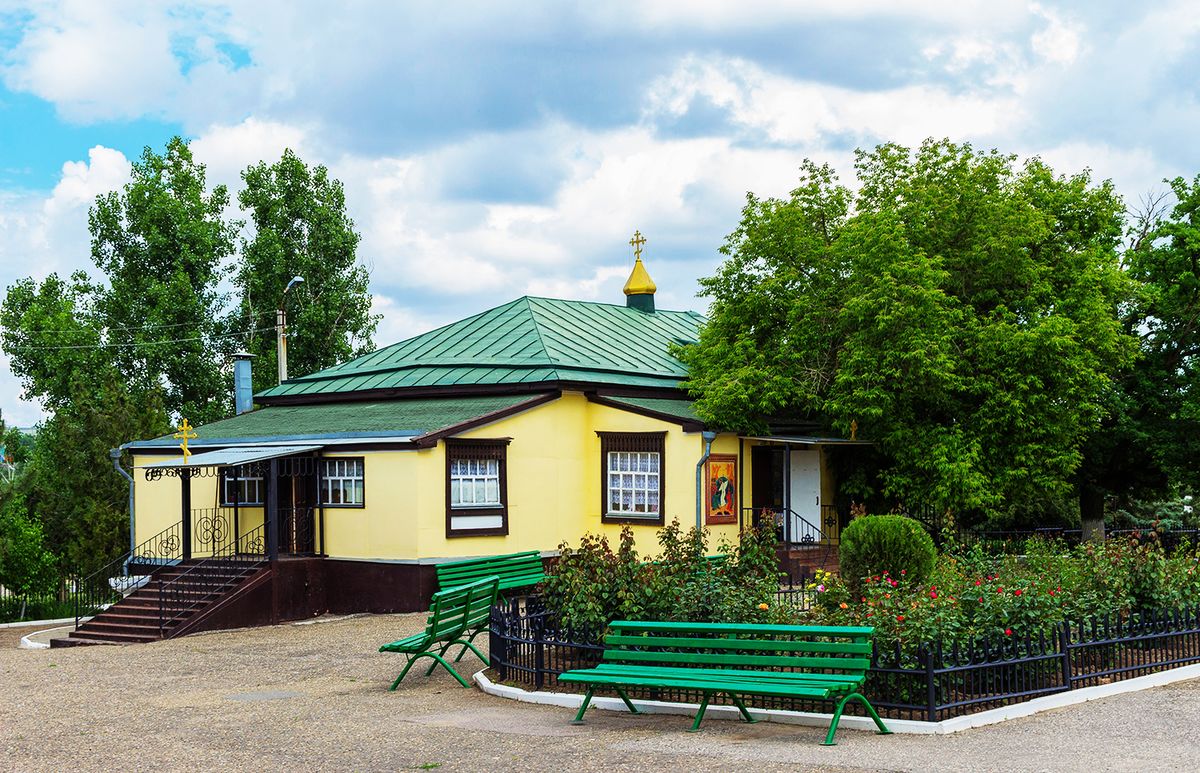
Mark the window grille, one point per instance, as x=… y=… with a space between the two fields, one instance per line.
x=343 y=483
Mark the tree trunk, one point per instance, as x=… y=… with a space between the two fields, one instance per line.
x=1091 y=512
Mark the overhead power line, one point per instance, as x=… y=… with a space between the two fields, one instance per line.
x=110 y=328
x=132 y=344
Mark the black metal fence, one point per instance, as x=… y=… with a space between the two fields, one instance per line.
x=932 y=681
x=15 y=607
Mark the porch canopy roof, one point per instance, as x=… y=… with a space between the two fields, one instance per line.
x=231 y=456
x=808 y=440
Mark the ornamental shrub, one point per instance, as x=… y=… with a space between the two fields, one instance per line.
x=892 y=544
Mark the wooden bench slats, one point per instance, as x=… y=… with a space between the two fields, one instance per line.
x=832 y=631
x=515 y=570
x=774 y=690
x=738 y=659
x=856 y=664
x=711 y=678
x=780 y=645
x=782 y=676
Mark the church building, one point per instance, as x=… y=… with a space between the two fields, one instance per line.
x=519 y=428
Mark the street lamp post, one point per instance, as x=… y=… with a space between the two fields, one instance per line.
x=281 y=329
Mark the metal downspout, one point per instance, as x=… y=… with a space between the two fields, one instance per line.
x=115 y=455
x=709 y=437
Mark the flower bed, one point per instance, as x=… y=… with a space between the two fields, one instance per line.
x=956 y=632
x=935 y=681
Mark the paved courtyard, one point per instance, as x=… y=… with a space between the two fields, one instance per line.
x=314 y=697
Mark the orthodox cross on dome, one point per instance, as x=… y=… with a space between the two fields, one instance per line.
x=185 y=434
x=637 y=241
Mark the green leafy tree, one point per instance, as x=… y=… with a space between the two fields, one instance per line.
x=70 y=484
x=963 y=312
x=111 y=359
x=301 y=229
x=1146 y=446
x=26 y=567
x=164 y=245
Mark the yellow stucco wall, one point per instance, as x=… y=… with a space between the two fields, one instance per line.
x=157 y=504
x=553 y=478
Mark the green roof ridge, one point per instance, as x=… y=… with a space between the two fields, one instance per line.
x=531 y=339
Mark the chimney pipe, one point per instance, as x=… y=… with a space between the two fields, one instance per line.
x=243 y=388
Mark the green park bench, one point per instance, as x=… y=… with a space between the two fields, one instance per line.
x=515 y=570
x=824 y=662
x=454 y=613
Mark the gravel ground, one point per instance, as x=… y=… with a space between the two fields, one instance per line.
x=314 y=697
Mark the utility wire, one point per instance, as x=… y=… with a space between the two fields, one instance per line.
x=127 y=327
x=138 y=343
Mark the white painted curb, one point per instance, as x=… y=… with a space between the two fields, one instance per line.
x=945 y=727
x=24 y=623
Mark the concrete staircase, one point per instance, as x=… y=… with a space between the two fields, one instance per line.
x=174 y=601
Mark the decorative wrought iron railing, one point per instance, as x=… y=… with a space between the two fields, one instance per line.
x=297 y=530
x=120 y=576
x=791 y=527
x=208 y=578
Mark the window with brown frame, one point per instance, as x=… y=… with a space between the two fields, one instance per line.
x=240 y=487
x=476 y=488
x=631 y=477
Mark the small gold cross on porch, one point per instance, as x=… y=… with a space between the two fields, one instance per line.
x=637 y=241
x=185 y=434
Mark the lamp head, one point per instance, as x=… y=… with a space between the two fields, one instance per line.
x=295 y=281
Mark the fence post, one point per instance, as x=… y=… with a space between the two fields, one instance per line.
x=497 y=651
x=930 y=685
x=539 y=652
x=1064 y=643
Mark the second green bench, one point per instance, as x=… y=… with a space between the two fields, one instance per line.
x=822 y=662
x=515 y=570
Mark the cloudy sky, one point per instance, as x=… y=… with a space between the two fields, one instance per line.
x=492 y=152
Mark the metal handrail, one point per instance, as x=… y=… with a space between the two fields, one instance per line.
x=806 y=534
x=97 y=589
x=178 y=596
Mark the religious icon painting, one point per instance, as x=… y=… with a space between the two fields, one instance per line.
x=722 y=489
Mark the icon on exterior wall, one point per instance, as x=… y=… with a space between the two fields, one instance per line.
x=722 y=489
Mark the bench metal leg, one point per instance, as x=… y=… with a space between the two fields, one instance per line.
x=587 y=698
x=467 y=645
x=837 y=717
x=403 y=673
x=437 y=657
x=742 y=708
x=628 y=703
x=433 y=665
x=700 y=714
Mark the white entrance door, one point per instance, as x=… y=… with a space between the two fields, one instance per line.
x=805 y=496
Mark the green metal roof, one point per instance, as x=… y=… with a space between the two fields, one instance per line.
x=392 y=418
x=680 y=409
x=530 y=340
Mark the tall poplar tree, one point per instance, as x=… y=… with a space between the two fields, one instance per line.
x=301 y=229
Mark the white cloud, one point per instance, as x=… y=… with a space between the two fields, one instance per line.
x=543 y=199
x=82 y=181
x=226 y=150
x=1059 y=42
x=94 y=63
x=807 y=112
